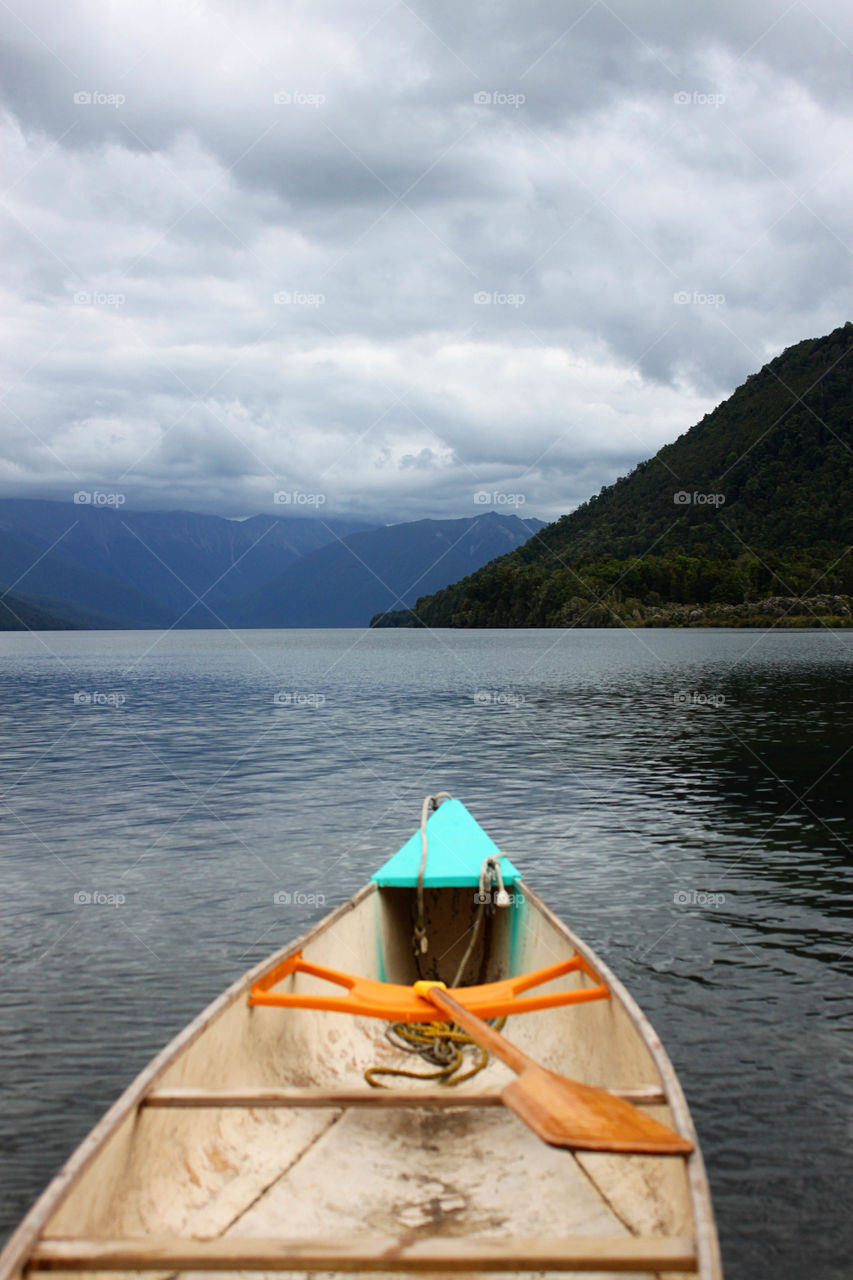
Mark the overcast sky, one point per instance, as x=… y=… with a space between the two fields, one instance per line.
x=402 y=254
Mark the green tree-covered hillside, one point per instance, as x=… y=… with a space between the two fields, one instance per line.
x=751 y=507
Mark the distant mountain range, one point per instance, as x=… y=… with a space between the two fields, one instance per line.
x=68 y=565
x=349 y=580
x=750 y=507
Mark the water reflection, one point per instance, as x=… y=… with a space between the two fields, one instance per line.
x=681 y=798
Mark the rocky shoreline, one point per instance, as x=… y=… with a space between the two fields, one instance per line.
x=773 y=611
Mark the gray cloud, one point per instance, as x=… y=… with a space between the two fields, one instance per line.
x=275 y=246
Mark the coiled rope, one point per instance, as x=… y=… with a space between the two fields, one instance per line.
x=441 y=1043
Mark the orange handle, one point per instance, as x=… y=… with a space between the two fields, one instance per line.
x=396 y=1003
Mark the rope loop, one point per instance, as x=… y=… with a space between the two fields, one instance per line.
x=420 y=942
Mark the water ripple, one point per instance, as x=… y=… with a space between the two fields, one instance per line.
x=681 y=798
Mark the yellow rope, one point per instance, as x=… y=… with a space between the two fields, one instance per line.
x=431 y=1039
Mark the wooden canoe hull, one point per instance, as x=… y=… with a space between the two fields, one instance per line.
x=340 y=1184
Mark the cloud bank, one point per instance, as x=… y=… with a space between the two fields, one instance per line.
x=404 y=253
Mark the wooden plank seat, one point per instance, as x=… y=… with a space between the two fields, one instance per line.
x=644 y=1095
x=447 y=1254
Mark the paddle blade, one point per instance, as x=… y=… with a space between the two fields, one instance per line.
x=566 y=1113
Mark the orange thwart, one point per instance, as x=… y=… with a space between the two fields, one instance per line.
x=397 y=1003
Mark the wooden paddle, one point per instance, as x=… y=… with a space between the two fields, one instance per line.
x=562 y=1112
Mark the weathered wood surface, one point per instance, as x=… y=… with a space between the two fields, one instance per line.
x=438 y=1098
x=450 y=1255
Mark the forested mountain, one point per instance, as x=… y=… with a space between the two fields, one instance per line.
x=752 y=505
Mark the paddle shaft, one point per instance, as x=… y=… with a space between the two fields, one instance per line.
x=480 y=1031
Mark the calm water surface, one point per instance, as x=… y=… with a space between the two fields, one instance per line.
x=683 y=799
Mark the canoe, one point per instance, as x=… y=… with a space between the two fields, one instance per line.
x=253 y=1143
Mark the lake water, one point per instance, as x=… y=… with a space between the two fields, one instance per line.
x=684 y=799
